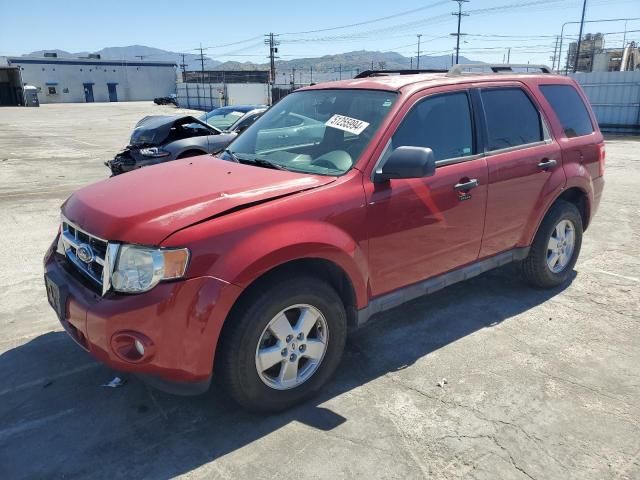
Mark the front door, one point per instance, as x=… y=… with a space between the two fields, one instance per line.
x=113 y=93
x=419 y=228
x=88 y=92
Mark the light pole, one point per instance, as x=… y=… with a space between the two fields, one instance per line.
x=418 y=59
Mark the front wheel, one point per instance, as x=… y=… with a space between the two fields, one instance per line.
x=283 y=343
x=555 y=248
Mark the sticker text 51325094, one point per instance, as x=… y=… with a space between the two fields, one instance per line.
x=348 y=124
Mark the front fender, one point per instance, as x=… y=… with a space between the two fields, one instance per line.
x=277 y=245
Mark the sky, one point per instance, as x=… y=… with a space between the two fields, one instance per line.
x=528 y=27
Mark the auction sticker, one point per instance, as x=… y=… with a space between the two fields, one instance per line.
x=348 y=124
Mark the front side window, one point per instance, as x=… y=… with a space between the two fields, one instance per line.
x=569 y=108
x=441 y=123
x=512 y=119
x=314 y=131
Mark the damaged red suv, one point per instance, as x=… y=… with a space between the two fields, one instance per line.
x=343 y=200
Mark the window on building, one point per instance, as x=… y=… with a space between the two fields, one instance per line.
x=52 y=90
x=65 y=90
x=441 y=123
x=512 y=119
x=569 y=108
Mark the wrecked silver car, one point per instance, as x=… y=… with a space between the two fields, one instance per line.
x=162 y=138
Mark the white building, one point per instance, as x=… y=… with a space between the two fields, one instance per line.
x=64 y=80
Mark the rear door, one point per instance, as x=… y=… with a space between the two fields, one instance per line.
x=524 y=165
x=421 y=227
x=580 y=140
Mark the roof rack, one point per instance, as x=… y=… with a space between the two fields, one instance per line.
x=460 y=68
x=387 y=73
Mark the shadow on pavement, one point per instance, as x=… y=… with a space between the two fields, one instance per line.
x=56 y=420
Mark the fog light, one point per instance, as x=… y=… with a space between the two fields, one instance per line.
x=132 y=346
x=139 y=347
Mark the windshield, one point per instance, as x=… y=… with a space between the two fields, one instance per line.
x=315 y=131
x=222 y=118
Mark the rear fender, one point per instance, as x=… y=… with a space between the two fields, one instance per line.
x=552 y=190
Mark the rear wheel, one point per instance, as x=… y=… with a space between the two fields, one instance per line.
x=556 y=247
x=283 y=343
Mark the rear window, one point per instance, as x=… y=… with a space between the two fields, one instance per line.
x=569 y=108
x=512 y=119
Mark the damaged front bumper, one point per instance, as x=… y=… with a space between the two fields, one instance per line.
x=130 y=159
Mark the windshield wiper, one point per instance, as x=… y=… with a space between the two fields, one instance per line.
x=230 y=154
x=268 y=163
x=262 y=162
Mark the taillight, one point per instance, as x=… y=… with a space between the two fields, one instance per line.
x=602 y=153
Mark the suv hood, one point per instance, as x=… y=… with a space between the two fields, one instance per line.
x=147 y=205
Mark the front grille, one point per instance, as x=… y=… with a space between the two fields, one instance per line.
x=87 y=253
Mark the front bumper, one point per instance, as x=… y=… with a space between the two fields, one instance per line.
x=130 y=159
x=180 y=322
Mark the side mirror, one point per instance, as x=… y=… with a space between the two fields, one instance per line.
x=407 y=162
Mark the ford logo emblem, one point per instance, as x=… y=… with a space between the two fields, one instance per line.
x=84 y=253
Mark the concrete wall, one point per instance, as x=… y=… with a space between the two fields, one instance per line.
x=135 y=80
x=614 y=97
x=207 y=96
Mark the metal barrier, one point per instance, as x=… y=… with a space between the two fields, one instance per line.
x=615 y=99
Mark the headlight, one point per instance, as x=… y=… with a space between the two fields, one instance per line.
x=154 y=152
x=139 y=269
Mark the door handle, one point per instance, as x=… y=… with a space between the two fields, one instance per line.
x=547 y=163
x=468 y=185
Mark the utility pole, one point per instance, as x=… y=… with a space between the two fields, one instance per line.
x=340 y=70
x=293 y=77
x=184 y=67
x=509 y=55
x=555 y=54
x=311 y=74
x=418 y=59
x=459 y=14
x=201 y=64
x=575 y=63
x=271 y=41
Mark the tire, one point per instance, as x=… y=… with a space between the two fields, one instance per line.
x=248 y=333
x=536 y=269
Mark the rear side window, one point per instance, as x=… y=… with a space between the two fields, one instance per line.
x=512 y=119
x=569 y=108
x=441 y=123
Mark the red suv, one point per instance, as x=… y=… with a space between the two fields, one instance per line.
x=343 y=200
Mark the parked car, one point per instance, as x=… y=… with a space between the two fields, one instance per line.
x=169 y=99
x=253 y=266
x=162 y=138
x=224 y=118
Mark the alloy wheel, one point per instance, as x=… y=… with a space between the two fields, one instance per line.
x=561 y=245
x=292 y=347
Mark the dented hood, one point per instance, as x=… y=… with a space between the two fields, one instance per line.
x=155 y=129
x=147 y=205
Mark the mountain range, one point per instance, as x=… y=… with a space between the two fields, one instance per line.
x=316 y=69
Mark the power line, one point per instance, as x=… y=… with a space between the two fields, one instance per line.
x=367 y=22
